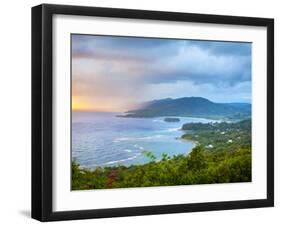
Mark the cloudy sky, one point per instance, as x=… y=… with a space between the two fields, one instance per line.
x=117 y=73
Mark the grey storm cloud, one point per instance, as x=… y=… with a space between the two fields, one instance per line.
x=157 y=61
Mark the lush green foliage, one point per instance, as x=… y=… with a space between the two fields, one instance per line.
x=225 y=162
x=220 y=136
x=200 y=167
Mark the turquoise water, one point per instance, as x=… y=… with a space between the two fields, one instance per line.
x=102 y=139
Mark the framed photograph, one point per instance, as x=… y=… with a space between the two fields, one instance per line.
x=145 y=112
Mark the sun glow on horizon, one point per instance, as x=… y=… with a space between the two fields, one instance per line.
x=79 y=104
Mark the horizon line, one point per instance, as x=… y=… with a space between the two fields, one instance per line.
x=125 y=110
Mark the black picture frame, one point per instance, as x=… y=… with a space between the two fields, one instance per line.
x=42 y=111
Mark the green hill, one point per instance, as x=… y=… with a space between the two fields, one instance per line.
x=191 y=107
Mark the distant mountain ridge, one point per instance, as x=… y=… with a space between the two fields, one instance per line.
x=191 y=107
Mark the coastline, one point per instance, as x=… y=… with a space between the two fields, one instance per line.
x=174 y=142
x=193 y=142
x=201 y=168
x=177 y=116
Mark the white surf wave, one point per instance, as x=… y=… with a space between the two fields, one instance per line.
x=122 y=160
x=157 y=120
x=139 y=147
x=128 y=150
x=138 y=138
x=173 y=129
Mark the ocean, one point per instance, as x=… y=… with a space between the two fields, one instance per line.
x=103 y=139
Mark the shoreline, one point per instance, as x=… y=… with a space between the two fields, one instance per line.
x=186 y=149
x=193 y=142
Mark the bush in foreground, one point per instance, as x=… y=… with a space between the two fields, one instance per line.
x=199 y=167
